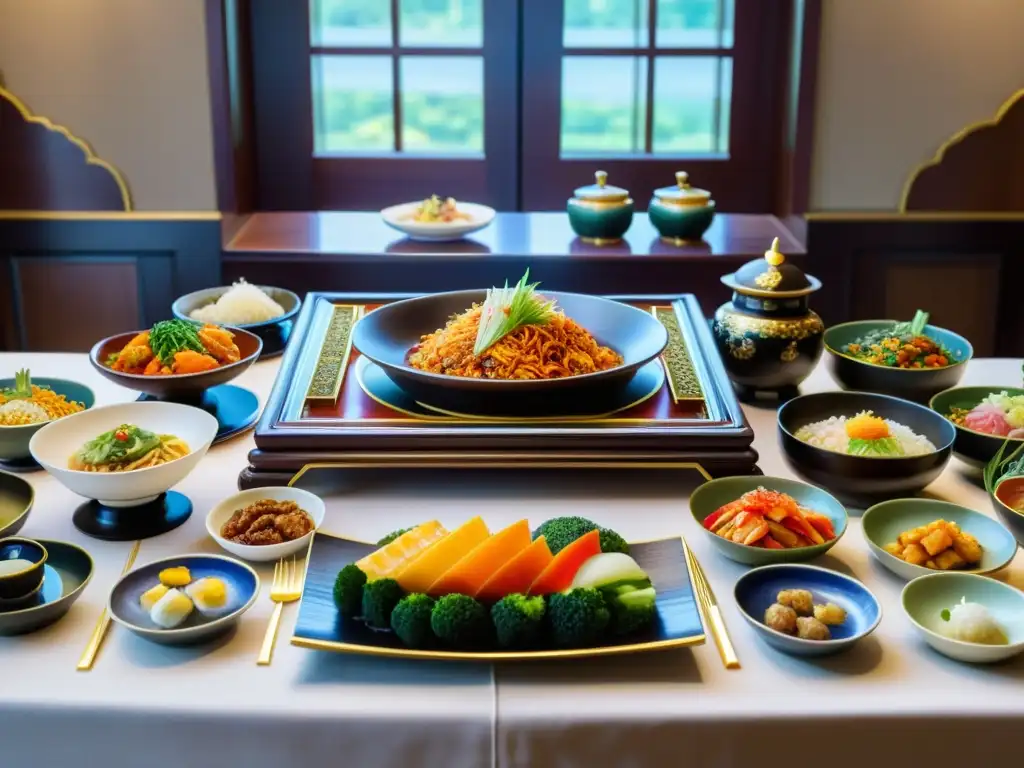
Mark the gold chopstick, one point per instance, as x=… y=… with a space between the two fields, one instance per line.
x=100 y=632
x=709 y=607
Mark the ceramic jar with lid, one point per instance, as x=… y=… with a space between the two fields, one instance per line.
x=681 y=213
x=600 y=213
x=769 y=338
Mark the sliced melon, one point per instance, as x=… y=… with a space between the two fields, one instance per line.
x=470 y=573
x=518 y=573
x=421 y=572
x=389 y=558
x=559 y=573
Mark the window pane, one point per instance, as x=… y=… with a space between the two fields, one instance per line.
x=694 y=24
x=441 y=23
x=603 y=104
x=605 y=23
x=442 y=104
x=691 y=104
x=350 y=23
x=352 y=104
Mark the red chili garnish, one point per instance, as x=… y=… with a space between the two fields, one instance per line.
x=122 y=436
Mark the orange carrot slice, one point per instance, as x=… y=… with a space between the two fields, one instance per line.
x=468 y=575
x=518 y=573
x=559 y=573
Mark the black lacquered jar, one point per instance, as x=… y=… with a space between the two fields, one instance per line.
x=769 y=338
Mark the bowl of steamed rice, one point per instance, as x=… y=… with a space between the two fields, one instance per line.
x=26 y=404
x=266 y=311
x=862 y=446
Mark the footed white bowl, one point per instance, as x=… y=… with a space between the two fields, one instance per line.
x=55 y=443
x=400 y=217
x=219 y=515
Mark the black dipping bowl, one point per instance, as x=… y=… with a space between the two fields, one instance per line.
x=183 y=386
x=387 y=334
x=274 y=332
x=917 y=384
x=861 y=478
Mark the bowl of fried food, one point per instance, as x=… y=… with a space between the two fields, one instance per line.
x=265 y=524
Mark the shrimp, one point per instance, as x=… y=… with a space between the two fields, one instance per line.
x=220 y=344
x=135 y=355
x=188 y=361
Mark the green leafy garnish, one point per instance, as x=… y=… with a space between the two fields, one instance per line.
x=506 y=309
x=999 y=468
x=883 y=446
x=22 y=387
x=168 y=337
x=126 y=443
x=945 y=614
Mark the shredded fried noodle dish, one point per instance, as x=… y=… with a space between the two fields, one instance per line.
x=556 y=349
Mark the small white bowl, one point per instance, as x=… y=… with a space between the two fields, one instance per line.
x=263 y=553
x=400 y=217
x=55 y=443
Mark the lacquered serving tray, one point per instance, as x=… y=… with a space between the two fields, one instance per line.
x=319 y=625
x=320 y=413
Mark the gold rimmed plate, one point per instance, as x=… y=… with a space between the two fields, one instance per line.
x=648 y=381
x=319 y=625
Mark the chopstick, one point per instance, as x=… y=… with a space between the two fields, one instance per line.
x=709 y=607
x=100 y=632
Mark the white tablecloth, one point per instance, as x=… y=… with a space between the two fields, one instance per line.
x=212 y=706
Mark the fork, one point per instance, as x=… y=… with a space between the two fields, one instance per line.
x=286 y=588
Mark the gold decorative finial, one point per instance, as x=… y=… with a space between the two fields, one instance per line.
x=602 y=178
x=683 y=179
x=773 y=255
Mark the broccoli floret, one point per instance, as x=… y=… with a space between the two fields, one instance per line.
x=392 y=536
x=379 y=599
x=411 y=619
x=613 y=542
x=632 y=609
x=461 y=621
x=578 y=617
x=348 y=590
x=559 y=532
x=518 y=620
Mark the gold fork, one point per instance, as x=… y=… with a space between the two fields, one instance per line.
x=286 y=588
x=709 y=605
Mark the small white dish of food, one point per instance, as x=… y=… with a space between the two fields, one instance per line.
x=266 y=524
x=438 y=219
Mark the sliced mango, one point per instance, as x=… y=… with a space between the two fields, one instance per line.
x=557 y=576
x=470 y=573
x=422 y=571
x=400 y=552
x=518 y=573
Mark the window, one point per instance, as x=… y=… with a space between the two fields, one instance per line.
x=363 y=103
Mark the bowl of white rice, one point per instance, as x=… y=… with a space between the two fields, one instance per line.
x=862 y=446
x=263 y=310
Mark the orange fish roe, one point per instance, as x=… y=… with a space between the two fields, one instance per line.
x=866 y=426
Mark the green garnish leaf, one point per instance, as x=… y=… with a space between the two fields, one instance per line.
x=883 y=446
x=22 y=387
x=506 y=309
x=168 y=337
x=945 y=614
x=108 y=448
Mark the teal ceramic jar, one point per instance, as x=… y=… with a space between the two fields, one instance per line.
x=681 y=214
x=600 y=214
x=768 y=337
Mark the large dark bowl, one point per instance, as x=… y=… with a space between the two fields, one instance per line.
x=387 y=334
x=917 y=384
x=16 y=499
x=862 y=478
x=181 y=386
x=274 y=332
x=973 y=447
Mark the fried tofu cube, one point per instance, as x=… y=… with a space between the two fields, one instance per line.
x=895 y=549
x=915 y=554
x=936 y=525
x=931 y=564
x=967 y=547
x=948 y=560
x=913 y=536
x=937 y=541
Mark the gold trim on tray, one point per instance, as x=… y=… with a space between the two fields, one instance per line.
x=91 y=158
x=335 y=351
x=683 y=382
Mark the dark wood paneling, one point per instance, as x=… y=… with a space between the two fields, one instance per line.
x=66 y=303
x=94 y=277
x=980 y=168
x=44 y=167
x=965 y=272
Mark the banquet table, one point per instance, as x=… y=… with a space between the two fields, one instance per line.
x=888 y=701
